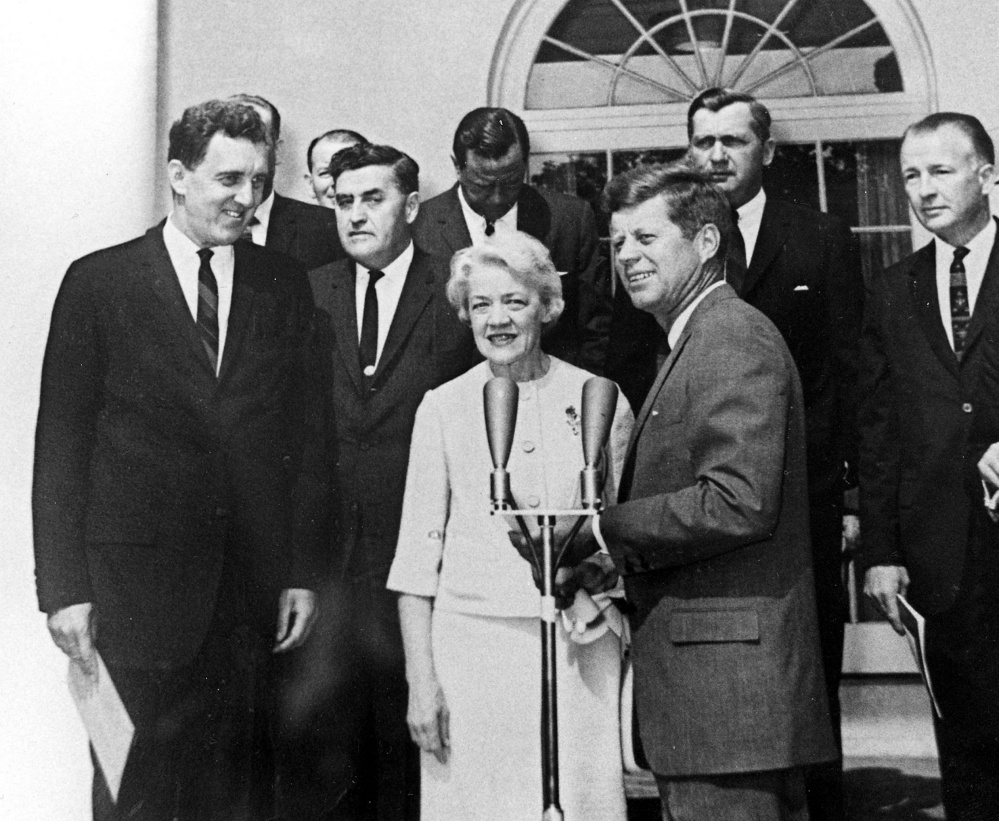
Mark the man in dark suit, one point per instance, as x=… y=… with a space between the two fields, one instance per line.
x=387 y=335
x=491 y=148
x=165 y=471
x=711 y=526
x=929 y=431
x=301 y=230
x=804 y=275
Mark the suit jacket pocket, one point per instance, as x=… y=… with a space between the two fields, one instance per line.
x=700 y=626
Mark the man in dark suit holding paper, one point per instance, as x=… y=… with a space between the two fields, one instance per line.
x=166 y=469
x=711 y=526
x=929 y=437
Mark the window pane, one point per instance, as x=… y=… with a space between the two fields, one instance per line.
x=583 y=175
x=595 y=54
x=793 y=175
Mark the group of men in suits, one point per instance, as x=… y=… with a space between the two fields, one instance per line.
x=171 y=504
x=801 y=269
x=219 y=445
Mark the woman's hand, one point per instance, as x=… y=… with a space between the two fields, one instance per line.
x=428 y=719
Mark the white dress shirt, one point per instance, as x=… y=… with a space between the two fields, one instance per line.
x=388 y=288
x=186 y=262
x=750 y=217
x=476 y=223
x=974 y=266
x=262 y=216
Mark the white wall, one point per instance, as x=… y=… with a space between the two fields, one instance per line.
x=401 y=71
x=78 y=132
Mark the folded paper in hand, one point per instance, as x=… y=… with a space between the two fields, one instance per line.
x=915 y=631
x=105 y=719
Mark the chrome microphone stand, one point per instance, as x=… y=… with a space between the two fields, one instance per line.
x=599 y=399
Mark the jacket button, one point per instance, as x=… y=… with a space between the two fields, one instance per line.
x=365 y=446
x=528 y=446
x=221 y=512
x=966 y=407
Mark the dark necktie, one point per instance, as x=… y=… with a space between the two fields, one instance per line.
x=735 y=266
x=960 y=307
x=369 y=326
x=208 y=307
x=490 y=228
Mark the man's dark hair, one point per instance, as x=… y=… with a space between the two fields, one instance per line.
x=341 y=134
x=256 y=99
x=190 y=135
x=490 y=132
x=970 y=126
x=691 y=199
x=715 y=99
x=404 y=167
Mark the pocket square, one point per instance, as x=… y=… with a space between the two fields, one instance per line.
x=801 y=287
x=562 y=273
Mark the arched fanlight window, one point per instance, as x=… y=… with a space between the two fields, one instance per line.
x=605 y=84
x=609 y=52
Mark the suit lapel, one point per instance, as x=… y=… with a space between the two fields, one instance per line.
x=166 y=286
x=416 y=293
x=988 y=299
x=244 y=272
x=281 y=219
x=343 y=312
x=534 y=217
x=923 y=289
x=627 y=473
x=452 y=224
x=771 y=238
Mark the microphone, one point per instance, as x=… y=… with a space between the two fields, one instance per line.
x=599 y=404
x=500 y=396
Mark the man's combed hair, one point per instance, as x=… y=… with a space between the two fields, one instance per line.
x=690 y=198
x=256 y=99
x=489 y=132
x=191 y=134
x=715 y=99
x=340 y=134
x=404 y=167
x=970 y=126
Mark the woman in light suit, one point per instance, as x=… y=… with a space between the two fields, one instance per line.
x=469 y=608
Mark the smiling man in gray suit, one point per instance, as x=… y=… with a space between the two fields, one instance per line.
x=711 y=526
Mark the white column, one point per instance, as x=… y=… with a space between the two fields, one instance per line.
x=77 y=166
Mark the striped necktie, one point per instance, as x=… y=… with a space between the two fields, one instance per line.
x=208 y=307
x=960 y=306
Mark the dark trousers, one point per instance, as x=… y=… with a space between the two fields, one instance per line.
x=344 y=752
x=200 y=748
x=824 y=782
x=775 y=795
x=963 y=659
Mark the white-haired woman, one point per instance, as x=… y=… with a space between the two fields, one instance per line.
x=469 y=606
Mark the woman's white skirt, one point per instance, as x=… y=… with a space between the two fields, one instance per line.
x=490 y=671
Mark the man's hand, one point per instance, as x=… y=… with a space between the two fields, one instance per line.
x=73 y=630
x=296 y=614
x=883 y=584
x=988 y=465
x=428 y=719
